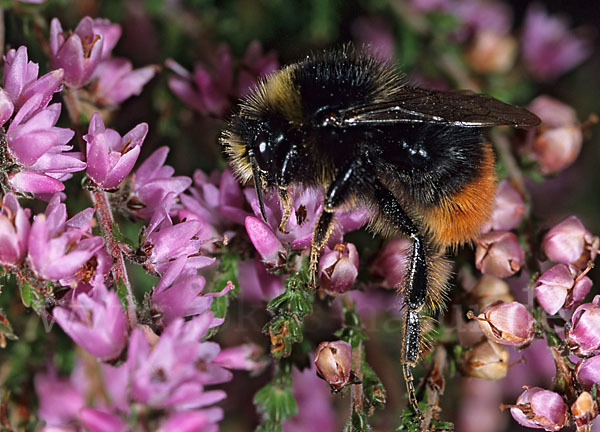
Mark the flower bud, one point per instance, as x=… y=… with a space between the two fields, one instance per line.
x=492 y=52
x=561 y=285
x=558 y=140
x=570 y=242
x=540 y=409
x=487 y=360
x=588 y=372
x=499 y=254
x=507 y=323
x=507 y=209
x=583 y=336
x=584 y=410
x=334 y=363
x=338 y=268
x=392 y=262
x=14 y=231
x=490 y=289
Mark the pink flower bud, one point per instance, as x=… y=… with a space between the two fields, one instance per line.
x=338 y=268
x=507 y=323
x=588 y=372
x=14 y=231
x=507 y=210
x=492 y=52
x=334 y=363
x=540 y=409
x=490 y=289
x=392 y=262
x=487 y=360
x=570 y=242
x=499 y=254
x=584 y=410
x=584 y=334
x=561 y=285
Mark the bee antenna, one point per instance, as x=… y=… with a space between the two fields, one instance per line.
x=257 y=185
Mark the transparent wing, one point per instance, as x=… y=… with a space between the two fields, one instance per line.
x=455 y=107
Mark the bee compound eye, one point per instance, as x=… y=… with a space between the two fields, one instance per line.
x=263 y=153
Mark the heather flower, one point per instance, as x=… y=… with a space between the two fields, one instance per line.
x=77 y=53
x=490 y=289
x=255 y=64
x=507 y=323
x=549 y=47
x=557 y=142
x=499 y=254
x=588 y=372
x=190 y=421
x=207 y=92
x=491 y=52
x=486 y=360
x=256 y=283
x=183 y=363
x=179 y=294
x=265 y=241
x=583 y=336
x=59 y=399
x=151 y=183
x=39 y=150
x=14 y=231
x=561 y=285
x=248 y=356
x=476 y=16
x=111 y=158
x=164 y=241
x=20 y=79
x=96 y=322
x=338 y=268
x=507 y=210
x=478 y=410
x=392 y=262
x=584 y=410
x=52 y=240
x=114 y=81
x=569 y=242
x=333 y=361
x=540 y=409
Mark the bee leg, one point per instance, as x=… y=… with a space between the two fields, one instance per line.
x=415 y=289
x=339 y=190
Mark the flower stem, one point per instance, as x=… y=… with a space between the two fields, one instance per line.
x=357 y=389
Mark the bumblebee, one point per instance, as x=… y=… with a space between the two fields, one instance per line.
x=417 y=158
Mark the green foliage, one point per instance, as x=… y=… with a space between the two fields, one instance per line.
x=275 y=401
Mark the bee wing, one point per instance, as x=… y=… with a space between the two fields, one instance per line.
x=455 y=107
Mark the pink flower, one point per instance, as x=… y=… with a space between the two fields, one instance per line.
x=507 y=210
x=569 y=242
x=557 y=142
x=174 y=372
x=540 y=409
x=549 y=47
x=561 y=285
x=207 y=92
x=152 y=182
x=77 y=53
x=249 y=357
x=111 y=158
x=392 y=261
x=179 y=293
x=583 y=336
x=256 y=284
x=255 y=64
x=376 y=35
x=338 y=268
x=588 y=372
x=59 y=399
x=114 y=81
x=53 y=240
x=21 y=79
x=507 y=323
x=333 y=361
x=499 y=254
x=265 y=241
x=96 y=322
x=14 y=231
x=96 y=420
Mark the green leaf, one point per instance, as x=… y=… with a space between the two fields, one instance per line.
x=275 y=401
x=26 y=290
x=122 y=293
